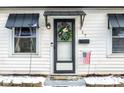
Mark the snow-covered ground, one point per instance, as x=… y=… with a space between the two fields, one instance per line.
x=22 y=79
x=92 y=80
x=106 y=80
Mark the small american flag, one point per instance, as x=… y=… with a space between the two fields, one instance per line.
x=86 y=57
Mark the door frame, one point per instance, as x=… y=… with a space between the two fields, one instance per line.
x=55 y=46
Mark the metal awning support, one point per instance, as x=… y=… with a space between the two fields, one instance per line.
x=82 y=21
x=64 y=13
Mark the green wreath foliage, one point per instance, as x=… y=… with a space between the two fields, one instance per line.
x=65 y=36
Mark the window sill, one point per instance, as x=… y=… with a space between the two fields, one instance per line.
x=116 y=55
x=25 y=55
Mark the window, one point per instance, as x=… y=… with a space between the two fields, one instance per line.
x=117 y=40
x=25 y=40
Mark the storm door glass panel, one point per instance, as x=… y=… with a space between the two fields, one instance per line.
x=64 y=41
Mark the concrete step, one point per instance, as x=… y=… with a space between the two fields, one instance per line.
x=64 y=81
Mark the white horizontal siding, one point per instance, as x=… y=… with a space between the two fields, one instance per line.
x=95 y=26
x=21 y=65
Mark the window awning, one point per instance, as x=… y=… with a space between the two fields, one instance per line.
x=116 y=20
x=22 y=20
x=63 y=13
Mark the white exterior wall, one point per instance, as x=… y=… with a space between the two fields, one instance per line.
x=96 y=28
x=19 y=64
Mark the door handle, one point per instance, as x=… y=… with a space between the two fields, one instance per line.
x=51 y=44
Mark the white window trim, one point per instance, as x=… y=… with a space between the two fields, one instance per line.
x=109 y=47
x=11 y=46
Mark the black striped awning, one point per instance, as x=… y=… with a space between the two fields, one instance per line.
x=22 y=20
x=63 y=13
x=116 y=20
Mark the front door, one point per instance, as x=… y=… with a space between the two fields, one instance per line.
x=64 y=46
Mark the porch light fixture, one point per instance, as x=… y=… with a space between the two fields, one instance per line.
x=47 y=24
x=64 y=13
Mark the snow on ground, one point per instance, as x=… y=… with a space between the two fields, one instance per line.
x=92 y=80
x=22 y=79
x=106 y=80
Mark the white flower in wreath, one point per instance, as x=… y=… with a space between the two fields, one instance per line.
x=65 y=30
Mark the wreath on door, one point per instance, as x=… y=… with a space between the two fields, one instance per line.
x=65 y=33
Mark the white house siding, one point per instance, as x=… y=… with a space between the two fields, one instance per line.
x=19 y=64
x=95 y=26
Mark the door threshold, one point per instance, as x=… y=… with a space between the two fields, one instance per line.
x=63 y=74
x=64 y=77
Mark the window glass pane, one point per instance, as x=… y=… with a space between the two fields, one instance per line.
x=33 y=31
x=25 y=32
x=25 y=45
x=17 y=31
x=118 y=45
x=118 y=32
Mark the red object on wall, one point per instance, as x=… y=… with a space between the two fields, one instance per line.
x=86 y=57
